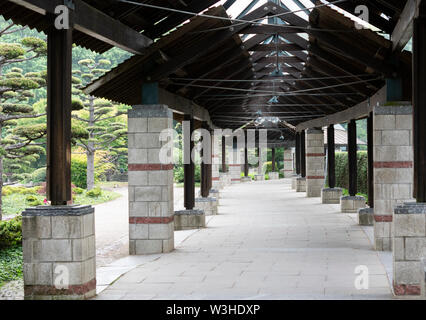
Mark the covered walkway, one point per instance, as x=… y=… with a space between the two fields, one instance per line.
x=283 y=246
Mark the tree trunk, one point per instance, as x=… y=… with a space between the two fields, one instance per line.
x=90 y=152
x=90 y=170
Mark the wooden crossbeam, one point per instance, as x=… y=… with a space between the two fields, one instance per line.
x=94 y=23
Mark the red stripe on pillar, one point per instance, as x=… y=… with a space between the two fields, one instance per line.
x=393 y=164
x=150 y=220
x=41 y=290
x=387 y=218
x=150 y=167
x=314 y=177
x=215 y=179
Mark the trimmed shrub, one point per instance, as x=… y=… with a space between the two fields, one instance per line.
x=78 y=171
x=39 y=175
x=11 y=232
x=33 y=201
x=78 y=190
x=342 y=171
x=94 y=193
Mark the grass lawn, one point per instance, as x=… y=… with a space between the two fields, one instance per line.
x=16 y=202
x=10 y=264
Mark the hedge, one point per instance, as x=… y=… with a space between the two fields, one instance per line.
x=342 y=171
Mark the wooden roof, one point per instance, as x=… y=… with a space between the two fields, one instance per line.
x=336 y=67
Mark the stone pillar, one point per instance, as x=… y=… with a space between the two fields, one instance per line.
x=288 y=163
x=59 y=252
x=151 y=226
x=314 y=162
x=216 y=163
x=409 y=249
x=261 y=155
x=235 y=166
x=393 y=168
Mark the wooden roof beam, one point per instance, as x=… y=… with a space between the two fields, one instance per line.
x=94 y=23
x=404 y=28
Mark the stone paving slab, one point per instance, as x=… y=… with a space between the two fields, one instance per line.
x=268 y=242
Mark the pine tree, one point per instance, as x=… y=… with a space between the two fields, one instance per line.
x=99 y=116
x=18 y=143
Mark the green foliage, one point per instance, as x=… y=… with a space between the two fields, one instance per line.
x=342 y=171
x=78 y=190
x=33 y=201
x=94 y=193
x=11 y=232
x=11 y=51
x=39 y=175
x=78 y=172
x=11 y=262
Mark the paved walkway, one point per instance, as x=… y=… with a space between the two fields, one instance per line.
x=268 y=242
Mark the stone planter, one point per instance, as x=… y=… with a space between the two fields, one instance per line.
x=189 y=219
x=349 y=204
x=331 y=195
x=208 y=205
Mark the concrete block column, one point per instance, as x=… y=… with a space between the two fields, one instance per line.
x=393 y=167
x=314 y=162
x=151 y=226
x=59 y=252
x=409 y=249
x=235 y=166
x=288 y=163
x=216 y=161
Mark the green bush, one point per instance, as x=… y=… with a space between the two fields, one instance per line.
x=11 y=232
x=78 y=172
x=78 y=190
x=94 y=193
x=178 y=174
x=342 y=171
x=33 y=201
x=11 y=264
x=39 y=175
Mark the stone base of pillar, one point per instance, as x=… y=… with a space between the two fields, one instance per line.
x=409 y=249
x=245 y=179
x=273 y=175
x=214 y=193
x=259 y=177
x=314 y=187
x=59 y=252
x=300 y=184
x=349 y=204
x=366 y=217
x=189 y=219
x=217 y=184
x=208 y=205
x=294 y=182
x=331 y=195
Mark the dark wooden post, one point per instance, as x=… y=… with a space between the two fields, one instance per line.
x=246 y=164
x=370 y=151
x=224 y=169
x=302 y=154
x=298 y=153
x=59 y=61
x=352 y=158
x=273 y=159
x=189 y=169
x=210 y=167
x=331 y=157
x=419 y=104
x=204 y=167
